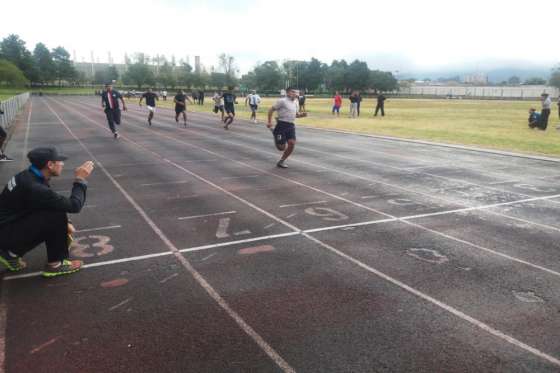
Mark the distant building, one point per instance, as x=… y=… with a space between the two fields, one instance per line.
x=197 y=67
x=476 y=78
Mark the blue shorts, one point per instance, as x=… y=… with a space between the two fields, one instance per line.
x=283 y=132
x=336 y=108
x=230 y=109
x=254 y=107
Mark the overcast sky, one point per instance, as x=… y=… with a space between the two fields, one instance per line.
x=391 y=34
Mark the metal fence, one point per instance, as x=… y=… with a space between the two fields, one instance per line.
x=519 y=92
x=11 y=108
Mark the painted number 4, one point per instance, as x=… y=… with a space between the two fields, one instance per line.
x=99 y=246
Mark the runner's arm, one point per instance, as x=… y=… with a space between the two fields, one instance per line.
x=270 y=112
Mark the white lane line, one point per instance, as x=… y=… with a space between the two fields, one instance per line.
x=26 y=138
x=99 y=229
x=303 y=204
x=165 y=183
x=505 y=182
x=440 y=304
x=186 y=264
x=168 y=278
x=121 y=304
x=134 y=164
x=240 y=177
x=206 y=215
x=368 y=197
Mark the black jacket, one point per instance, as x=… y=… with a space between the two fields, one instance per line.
x=27 y=192
x=105 y=100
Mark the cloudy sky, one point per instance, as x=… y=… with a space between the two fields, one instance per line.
x=391 y=35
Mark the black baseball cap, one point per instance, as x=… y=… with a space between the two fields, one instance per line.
x=40 y=156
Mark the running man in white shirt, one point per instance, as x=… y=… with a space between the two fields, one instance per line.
x=285 y=130
x=254 y=100
x=218 y=103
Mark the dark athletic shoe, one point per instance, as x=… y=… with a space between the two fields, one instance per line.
x=116 y=135
x=65 y=267
x=5 y=158
x=12 y=263
x=281 y=164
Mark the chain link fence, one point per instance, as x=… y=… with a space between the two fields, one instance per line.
x=11 y=108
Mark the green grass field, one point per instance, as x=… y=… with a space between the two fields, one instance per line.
x=490 y=124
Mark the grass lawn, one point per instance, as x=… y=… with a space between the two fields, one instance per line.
x=6 y=93
x=489 y=124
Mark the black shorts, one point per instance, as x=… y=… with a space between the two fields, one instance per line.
x=179 y=109
x=283 y=132
x=3 y=133
x=218 y=108
x=230 y=109
x=254 y=107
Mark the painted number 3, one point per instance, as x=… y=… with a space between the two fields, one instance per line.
x=99 y=246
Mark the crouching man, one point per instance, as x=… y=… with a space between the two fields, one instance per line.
x=32 y=213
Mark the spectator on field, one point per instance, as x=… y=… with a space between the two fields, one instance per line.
x=380 y=105
x=353 y=105
x=164 y=95
x=358 y=102
x=337 y=103
x=545 y=112
x=31 y=213
x=201 y=97
x=194 y=96
x=534 y=118
x=301 y=101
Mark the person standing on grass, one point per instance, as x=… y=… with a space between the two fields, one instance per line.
x=218 y=103
x=3 y=137
x=254 y=100
x=545 y=112
x=353 y=105
x=164 y=94
x=110 y=103
x=301 y=102
x=151 y=98
x=201 y=97
x=337 y=103
x=31 y=213
x=180 y=101
x=380 y=105
x=285 y=130
x=194 y=96
x=229 y=101
x=358 y=102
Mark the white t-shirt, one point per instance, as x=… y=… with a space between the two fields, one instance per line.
x=218 y=100
x=254 y=99
x=287 y=109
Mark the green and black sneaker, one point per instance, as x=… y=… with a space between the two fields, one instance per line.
x=65 y=267
x=12 y=263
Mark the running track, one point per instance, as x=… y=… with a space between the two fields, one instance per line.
x=366 y=255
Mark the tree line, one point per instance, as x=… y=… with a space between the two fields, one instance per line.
x=19 y=66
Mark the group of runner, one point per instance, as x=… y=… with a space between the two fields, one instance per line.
x=288 y=108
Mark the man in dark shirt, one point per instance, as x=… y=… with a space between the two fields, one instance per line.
x=151 y=98
x=201 y=97
x=3 y=137
x=380 y=105
x=180 y=101
x=301 y=102
x=32 y=213
x=229 y=101
x=110 y=103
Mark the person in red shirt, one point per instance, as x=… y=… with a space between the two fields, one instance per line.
x=337 y=104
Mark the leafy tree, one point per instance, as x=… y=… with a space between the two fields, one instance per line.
x=139 y=74
x=218 y=80
x=166 y=76
x=185 y=75
x=514 y=80
x=336 y=75
x=383 y=81
x=535 y=81
x=11 y=75
x=46 y=69
x=64 y=69
x=249 y=80
x=358 y=76
x=269 y=76
x=13 y=49
x=312 y=76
